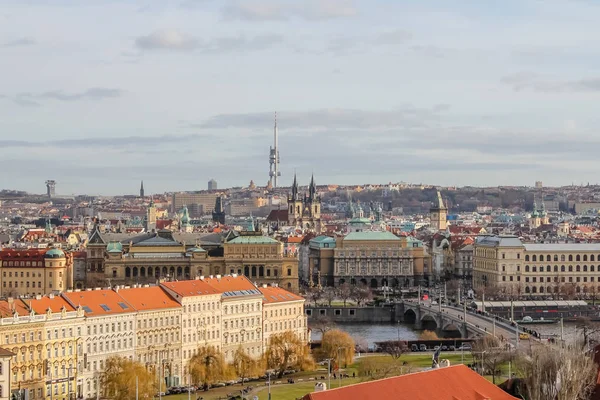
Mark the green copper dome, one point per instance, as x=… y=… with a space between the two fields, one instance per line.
x=114 y=247
x=55 y=253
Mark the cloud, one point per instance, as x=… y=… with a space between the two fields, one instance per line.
x=536 y=83
x=92 y=94
x=279 y=10
x=33 y=99
x=19 y=42
x=171 y=40
x=327 y=119
x=167 y=40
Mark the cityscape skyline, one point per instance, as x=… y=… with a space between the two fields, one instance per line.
x=183 y=91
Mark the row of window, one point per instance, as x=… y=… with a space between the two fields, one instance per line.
x=158 y=322
x=283 y=326
x=113 y=327
x=202 y=335
x=281 y=312
x=109 y=345
x=200 y=321
x=563 y=257
x=23 y=274
x=26 y=284
x=205 y=307
x=556 y=289
x=241 y=323
x=241 y=308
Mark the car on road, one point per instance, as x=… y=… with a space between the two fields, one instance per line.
x=444 y=348
x=452 y=348
x=423 y=347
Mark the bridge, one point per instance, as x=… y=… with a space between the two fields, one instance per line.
x=446 y=318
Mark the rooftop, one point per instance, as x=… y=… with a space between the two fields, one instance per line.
x=99 y=302
x=371 y=235
x=572 y=247
x=450 y=383
x=499 y=241
x=278 y=295
x=253 y=240
x=148 y=298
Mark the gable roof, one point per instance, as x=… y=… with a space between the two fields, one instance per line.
x=99 y=302
x=196 y=287
x=278 y=295
x=450 y=383
x=7 y=308
x=96 y=237
x=148 y=298
x=54 y=303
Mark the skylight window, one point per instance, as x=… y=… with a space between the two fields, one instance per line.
x=87 y=309
x=105 y=307
x=123 y=306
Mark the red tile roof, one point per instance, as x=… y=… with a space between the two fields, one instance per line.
x=148 y=298
x=229 y=283
x=99 y=302
x=7 y=309
x=196 y=287
x=41 y=306
x=451 y=383
x=278 y=295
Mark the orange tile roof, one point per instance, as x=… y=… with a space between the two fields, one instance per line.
x=99 y=302
x=278 y=295
x=196 y=287
x=6 y=308
x=451 y=383
x=229 y=283
x=42 y=305
x=148 y=298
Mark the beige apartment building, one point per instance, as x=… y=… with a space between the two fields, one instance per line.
x=197 y=203
x=61 y=343
x=536 y=269
x=282 y=311
x=35 y=271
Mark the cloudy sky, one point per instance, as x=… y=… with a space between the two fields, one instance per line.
x=101 y=94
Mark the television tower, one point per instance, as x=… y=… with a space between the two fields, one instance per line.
x=274 y=159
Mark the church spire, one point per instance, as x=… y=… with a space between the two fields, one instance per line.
x=295 y=188
x=142 y=189
x=312 y=189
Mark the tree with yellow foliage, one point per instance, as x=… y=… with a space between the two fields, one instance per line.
x=287 y=350
x=428 y=335
x=338 y=346
x=119 y=379
x=208 y=366
x=246 y=366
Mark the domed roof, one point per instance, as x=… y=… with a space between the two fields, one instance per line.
x=197 y=250
x=114 y=247
x=535 y=214
x=54 y=253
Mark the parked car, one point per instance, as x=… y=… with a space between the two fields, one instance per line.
x=452 y=348
x=414 y=347
x=436 y=348
x=444 y=348
x=423 y=347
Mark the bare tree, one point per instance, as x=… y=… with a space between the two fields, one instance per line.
x=314 y=294
x=344 y=292
x=322 y=324
x=490 y=354
x=329 y=295
x=362 y=345
x=394 y=348
x=589 y=331
x=361 y=294
x=560 y=374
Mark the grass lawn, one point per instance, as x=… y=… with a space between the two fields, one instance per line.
x=285 y=391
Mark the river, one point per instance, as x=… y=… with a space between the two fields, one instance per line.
x=372 y=333
x=375 y=333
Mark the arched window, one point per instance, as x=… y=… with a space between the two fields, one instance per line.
x=562 y=257
x=591 y=257
x=527 y=288
x=570 y=268
x=527 y=257
x=541 y=289
x=534 y=268
x=547 y=258
x=585 y=268
x=527 y=268
x=570 y=257
x=289 y=272
x=534 y=258
x=556 y=268
x=577 y=257
x=578 y=269
x=548 y=268
x=585 y=257
x=534 y=289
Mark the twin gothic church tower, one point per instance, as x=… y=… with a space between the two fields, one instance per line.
x=304 y=211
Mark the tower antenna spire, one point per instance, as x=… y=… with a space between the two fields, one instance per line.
x=274 y=173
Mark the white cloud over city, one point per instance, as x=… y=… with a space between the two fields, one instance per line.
x=176 y=93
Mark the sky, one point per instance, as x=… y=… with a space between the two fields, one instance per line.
x=99 y=95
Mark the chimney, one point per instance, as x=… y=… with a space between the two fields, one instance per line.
x=201 y=277
x=234 y=275
x=218 y=276
x=51 y=296
x=38 y=296
x=264 y=285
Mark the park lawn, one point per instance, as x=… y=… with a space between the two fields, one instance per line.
x=297 y=390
